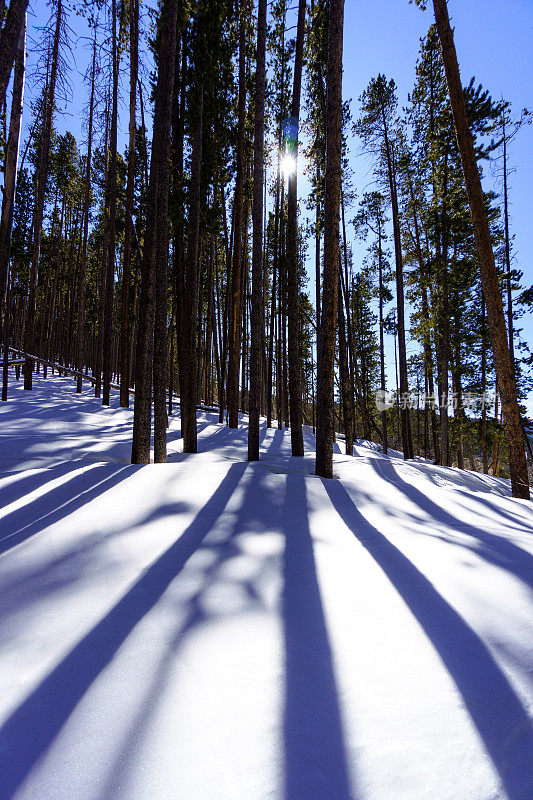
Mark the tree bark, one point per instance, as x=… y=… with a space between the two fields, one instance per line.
x=325 y=433
x=189 y=386
x=232 y=393
x=10 y=188
x=295 y=379
x=80 y=333
x=140 y=453
x=38 y=210
x=160 y=368
x=128 y=239
x=381 y=341
x=111 y=207
x=489 y=275
x=9 y=40
x=345 y=384
x=257 y=314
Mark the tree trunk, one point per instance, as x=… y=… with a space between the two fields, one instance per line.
x=9 y=40
x=328 y=314
x=80 y=333
x=346 y=389
x=111 y=206
x=128 y=239
x=232 y=394
x=295 y=379
x=140 y=453
x=189 y=386
x=510 y=324
x=381 y=342
x=257 y=315
x=38 y=210
x=10 y=188
x=160 y=368
x=489 y=275
x=483 y=388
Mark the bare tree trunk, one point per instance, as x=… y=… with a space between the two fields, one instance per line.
x=489 y=275
x=345 y=385
x=317 y=250
x=161 y=259
x=483 y=389
x=257 y=316
x=38 y=210
x=128 y=240
x=111 y=206
x=9 y=40
x=326 y=343
x=232 y=394
x=189 y=387
x=295 y=378
x=80 y=334
x=381 y=342
x=10 y=188
x=510 y=324
x=154 y=244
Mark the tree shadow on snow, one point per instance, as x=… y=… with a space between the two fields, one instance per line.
x=31 y=729
x=52 y=506
x=314 y=750
x=315 y=759
x=198 y=611
x=495 y=549
x=500 y=719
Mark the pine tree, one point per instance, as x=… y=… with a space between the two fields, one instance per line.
x=257 y=311
x=489 y=276
x=325 y=430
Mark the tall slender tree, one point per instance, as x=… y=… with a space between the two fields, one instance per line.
x=156 y=236
x=234 y=349
x=128 y=243
x=10 y=188
x=325 y=428
x=48 y=106
x=489 y=276
x=257 y=310
x=9 y=39
x=295 y=381
x=110 y=216
x=80 y=337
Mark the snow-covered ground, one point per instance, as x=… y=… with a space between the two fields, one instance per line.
x=213 y=630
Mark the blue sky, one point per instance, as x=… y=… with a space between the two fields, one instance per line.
x=494 y=40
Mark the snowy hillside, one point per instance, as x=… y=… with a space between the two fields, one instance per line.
x=213 y=630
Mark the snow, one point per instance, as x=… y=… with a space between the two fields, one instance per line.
x=210 y=629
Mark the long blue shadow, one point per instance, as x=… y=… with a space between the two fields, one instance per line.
x=277 y=441
x=33 y=726
x=251 y=516
x=26 y=482
x=495 y=549
x=51 y=507
x=315 y=758
x=502 y=722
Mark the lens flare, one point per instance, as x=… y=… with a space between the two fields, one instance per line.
x=288 y=165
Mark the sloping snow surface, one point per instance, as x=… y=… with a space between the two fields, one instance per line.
x=213 y=630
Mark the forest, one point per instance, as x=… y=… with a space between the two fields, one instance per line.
x=178 y=265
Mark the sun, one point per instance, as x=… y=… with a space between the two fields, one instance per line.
x=288 y=165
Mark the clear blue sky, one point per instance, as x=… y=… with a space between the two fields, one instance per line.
x=494 y=40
